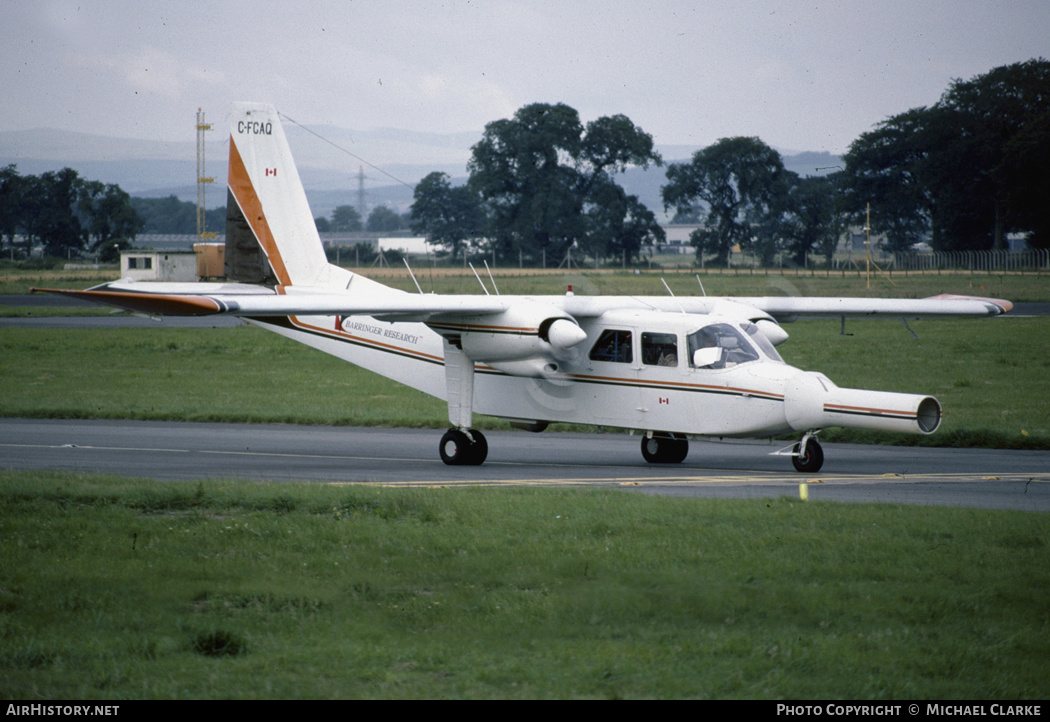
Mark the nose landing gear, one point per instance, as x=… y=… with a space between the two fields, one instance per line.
x=807 y=456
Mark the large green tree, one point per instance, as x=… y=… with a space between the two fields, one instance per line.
x=53 y=219
x=11 y=184
x=540 y=172
x=887 y=174
x=383 y=220
x=109 y=221
x=1024 y=175
x=963 y=169
x=813 y=218
x=345 y=219
x=742 y=182
x=619 y=224
x=449 y=217
x=63 y=212
x=982 y=116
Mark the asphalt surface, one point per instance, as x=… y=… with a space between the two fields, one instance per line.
x=165 y=451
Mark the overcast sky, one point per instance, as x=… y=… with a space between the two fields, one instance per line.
x=800 y=75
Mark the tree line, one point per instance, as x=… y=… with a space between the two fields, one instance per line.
x=64 y=213
x=962 y=173
x=67 y=215
x=347 y=219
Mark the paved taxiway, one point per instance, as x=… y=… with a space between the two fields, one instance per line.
x=164 y=451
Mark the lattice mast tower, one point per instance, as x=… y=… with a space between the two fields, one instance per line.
x=202 y=179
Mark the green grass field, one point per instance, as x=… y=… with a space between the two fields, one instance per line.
x=113 y=588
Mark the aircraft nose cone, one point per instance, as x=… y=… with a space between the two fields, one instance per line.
x=565 y=334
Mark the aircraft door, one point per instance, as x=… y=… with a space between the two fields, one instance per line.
x=725 y=398
x=660 y=377
x=611 y=376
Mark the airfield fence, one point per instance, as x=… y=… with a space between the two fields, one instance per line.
x=1031 y=259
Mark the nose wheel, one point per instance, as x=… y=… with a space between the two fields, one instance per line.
x=463 y=448
x=807 y=456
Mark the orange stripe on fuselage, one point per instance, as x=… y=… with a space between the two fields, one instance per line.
x=378 y=345
x=483 y=328
x=870 y=411
x=675 y=386
x=243 y=190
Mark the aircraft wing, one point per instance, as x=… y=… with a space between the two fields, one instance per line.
x=203 y=299
x=788 y=308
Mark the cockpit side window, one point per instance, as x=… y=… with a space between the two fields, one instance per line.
x=613 y=345
x=735 y=348
x=659 y=349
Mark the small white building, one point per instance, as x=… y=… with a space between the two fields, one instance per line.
x=406 y=244
x=158 y=266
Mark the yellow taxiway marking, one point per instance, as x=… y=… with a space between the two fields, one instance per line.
x=640 y=481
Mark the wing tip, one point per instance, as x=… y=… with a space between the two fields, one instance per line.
x=996 y=306
x=159 y=304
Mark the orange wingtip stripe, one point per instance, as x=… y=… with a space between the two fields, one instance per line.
x=1004 y=305
x=160 y=304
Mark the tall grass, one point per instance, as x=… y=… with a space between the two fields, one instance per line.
x=115 y=588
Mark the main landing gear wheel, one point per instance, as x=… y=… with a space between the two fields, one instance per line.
x=813 y=459
x=664 y=448
x=458 y=450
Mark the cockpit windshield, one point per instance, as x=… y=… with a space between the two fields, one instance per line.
x=730 y=339
x=760 y=340
x=734 y=347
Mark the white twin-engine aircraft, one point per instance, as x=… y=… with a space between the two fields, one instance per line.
x=669 y=367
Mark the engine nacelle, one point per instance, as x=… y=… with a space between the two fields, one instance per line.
x=772 y=331
x=525 y=340
x=765 y=323
x=812 y=401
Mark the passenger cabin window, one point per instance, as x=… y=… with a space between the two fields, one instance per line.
x=613 y=345
x=659 y=349
x=735 y=348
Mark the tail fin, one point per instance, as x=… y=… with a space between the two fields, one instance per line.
x=271 y=237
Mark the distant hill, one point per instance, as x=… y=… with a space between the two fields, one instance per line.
x=329 y=161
